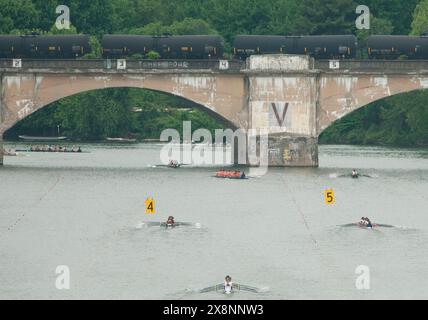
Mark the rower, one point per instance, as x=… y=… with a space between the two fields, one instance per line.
x=170 y=222
x=369 y=223
x=355 y=174
x=173 y=163
x=363 y=221
x=243 y=176
x=228 y=285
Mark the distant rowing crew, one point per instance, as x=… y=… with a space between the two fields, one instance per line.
x=225 y=174
x=56 y=148
x=10 y=152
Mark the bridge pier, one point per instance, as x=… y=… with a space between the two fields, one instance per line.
x=1 y=150
x=1 y=119
x=283 y=100
x=293 y=151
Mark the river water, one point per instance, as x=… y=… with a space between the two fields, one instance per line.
x=273 y=232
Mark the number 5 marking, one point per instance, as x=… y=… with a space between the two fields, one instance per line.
x=329 y=197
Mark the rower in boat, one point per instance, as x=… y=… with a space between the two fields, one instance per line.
x=170 y=223
x=354 y=174
x=174 y=164
x=230 y=174
x=368 y=223
x=10 y=153
x=228 y=285
x=365 y=223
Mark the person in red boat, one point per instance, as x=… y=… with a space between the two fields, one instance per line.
x=222 y=173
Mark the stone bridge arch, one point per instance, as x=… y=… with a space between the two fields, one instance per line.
x=342 y=94
x=223 y=96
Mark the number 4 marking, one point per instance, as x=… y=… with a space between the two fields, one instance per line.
x=150 y=206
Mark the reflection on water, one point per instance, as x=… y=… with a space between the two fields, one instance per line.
x=273 y=232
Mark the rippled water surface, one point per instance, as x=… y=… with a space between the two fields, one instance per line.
x=272 y=232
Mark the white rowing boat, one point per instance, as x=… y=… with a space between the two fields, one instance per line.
x=235 y=288
x=31 y=138
x=166 y=225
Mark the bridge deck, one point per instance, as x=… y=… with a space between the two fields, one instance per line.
x=180 y=66
x=384 y=66
x=107 y=65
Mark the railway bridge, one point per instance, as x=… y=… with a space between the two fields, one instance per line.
x=294 y=98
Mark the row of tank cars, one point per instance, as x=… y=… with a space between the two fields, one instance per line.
x=212 y=47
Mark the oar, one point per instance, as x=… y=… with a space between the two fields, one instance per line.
x=209 y=289
x=247 y=288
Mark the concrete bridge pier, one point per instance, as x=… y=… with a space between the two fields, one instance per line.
x=1 y=119
x=285 y=150
x=1 y=150
x=283 y=99
x=292 y=151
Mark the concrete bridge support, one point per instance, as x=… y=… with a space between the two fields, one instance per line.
x=283 y=100
x=1 y=151
x=1 y=119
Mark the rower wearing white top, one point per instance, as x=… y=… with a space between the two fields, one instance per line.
x=228 y=285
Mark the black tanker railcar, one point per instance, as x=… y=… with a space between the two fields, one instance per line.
x=394 y=47
x=168 y=47
x=10 y=46
x=319 y=47
x=212 y=47
x=117 y=46
x=38 y=46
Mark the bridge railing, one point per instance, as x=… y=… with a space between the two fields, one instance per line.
x=209 y=65
x=113 y=64
x=373 y=65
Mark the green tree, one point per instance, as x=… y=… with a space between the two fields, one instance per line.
x=328 y=16
x=17 y=14
x=420 y=19
x=398 y=12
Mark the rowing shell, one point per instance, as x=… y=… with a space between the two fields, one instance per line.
x=166 y=225
x=235 y=288
x=356 y=177
x=360 y=225
x=47 y=151
x=232 y=178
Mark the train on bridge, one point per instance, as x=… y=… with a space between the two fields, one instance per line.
x=212 y=46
